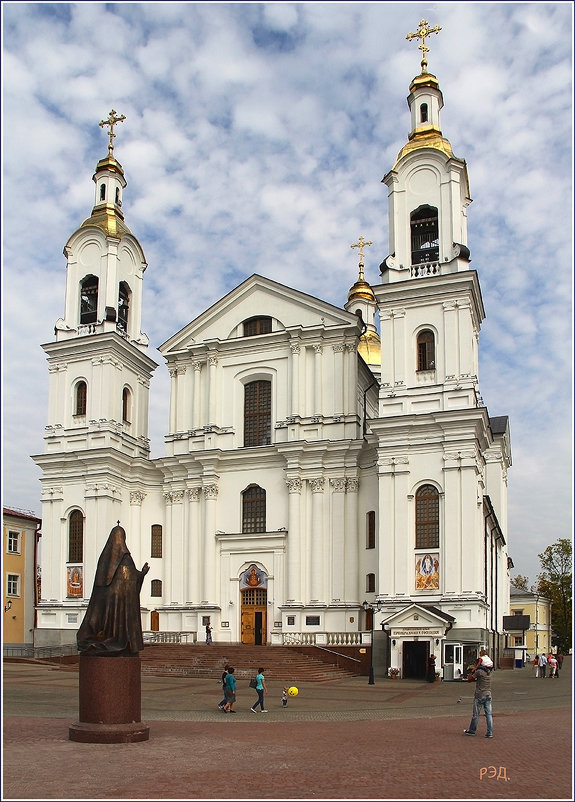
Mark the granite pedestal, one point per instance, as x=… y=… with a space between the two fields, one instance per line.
x=110 y=696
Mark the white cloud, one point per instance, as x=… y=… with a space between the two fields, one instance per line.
x=255 y=140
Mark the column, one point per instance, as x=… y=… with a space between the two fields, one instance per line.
x=352 y=546
x=135 y=526
x=295 y=563
x=173 y=399
x=338 y=405
x=338 y=527
x=318 y=555
x=317 y=407
x=194 y=548
x=177 y=547
x=295 y=383
x=212 y=417
x=450 y=339
x=197 y=395
x=209 y=543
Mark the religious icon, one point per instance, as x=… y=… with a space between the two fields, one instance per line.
x=427 y=572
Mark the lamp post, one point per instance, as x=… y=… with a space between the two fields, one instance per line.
x=377 y=609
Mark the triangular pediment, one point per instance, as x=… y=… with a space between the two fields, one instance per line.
x=418 y=616
x=254 y=297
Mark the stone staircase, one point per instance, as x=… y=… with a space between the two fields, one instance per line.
x=280 y=663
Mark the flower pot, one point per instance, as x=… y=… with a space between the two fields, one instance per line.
x=393 y=676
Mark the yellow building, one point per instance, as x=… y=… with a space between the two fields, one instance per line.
x=537 y=638
x=21 y=533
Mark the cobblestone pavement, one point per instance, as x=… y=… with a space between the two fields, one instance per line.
x=344 y=739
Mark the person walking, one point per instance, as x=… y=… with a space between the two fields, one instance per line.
x=552 y=663
x=482 y=697
x=559 y=662
x=208 y=634
x=536 y=666
x=224 y=675
x=542 y=665
x=260 y=688
x=230 y=691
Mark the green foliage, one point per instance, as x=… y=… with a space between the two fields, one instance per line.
x=520 y=582
x=556 y=582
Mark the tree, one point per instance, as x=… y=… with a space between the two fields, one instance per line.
x=555 y=582
x=520 y=582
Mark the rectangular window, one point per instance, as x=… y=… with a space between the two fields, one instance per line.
x=312 y=620
x=370 y=533
x=257 y=413
x=13 y=585
x=291 y=620
x=156 y=550
x=13 y=542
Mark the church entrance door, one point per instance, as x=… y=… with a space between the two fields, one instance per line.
x=254 y=616
x=415 y=654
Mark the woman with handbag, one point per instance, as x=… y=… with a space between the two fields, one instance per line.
x=260 y=688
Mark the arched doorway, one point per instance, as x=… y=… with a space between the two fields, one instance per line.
x=155 y=621
x=254 y=601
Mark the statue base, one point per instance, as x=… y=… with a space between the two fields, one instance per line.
x=110 y=694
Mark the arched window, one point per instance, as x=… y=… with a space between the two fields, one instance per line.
x=370 y=529
x=427 y=518
x=156 y=546
x=81 y=398
x=425 y=350
x=126 y=405
x=424 y=235
x=423 y=113
x=118 y=201
x=258 y=413
x=254 y=509
x=257 y=325
x=370 y=583
x=156 y=587
x=102 y=192
x=123 y=306
x=76 y=537
x=89 y=300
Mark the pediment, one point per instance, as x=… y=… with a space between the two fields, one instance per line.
x=257 y=296
x=418 y=616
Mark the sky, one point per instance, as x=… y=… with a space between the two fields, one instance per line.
x=255 y=140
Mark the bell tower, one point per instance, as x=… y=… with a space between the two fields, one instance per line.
x=99 y=371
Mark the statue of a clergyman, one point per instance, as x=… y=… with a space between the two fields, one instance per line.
x=112 y=626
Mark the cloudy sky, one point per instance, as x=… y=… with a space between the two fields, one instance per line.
x=255 y=141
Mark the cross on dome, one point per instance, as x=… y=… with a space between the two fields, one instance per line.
x=111 y=122
x=422 y=32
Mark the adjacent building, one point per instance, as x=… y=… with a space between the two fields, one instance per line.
x=20 y=582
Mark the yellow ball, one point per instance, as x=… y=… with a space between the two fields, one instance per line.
x=293 y=691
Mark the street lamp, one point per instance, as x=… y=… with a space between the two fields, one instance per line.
x=377 y=609
x=8 y=606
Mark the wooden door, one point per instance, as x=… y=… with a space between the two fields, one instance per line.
x=248 y=625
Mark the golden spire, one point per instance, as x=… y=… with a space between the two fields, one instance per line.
x=422 y=32
x=111 y=122
x=359 y=244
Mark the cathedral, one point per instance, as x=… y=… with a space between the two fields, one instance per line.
x=331 y=474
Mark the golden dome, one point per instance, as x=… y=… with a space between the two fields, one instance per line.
x=369 y=348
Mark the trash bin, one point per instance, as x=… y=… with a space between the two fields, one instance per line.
x=518 y=662
x=448 y=672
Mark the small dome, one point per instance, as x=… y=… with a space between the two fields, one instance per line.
x=369 y=348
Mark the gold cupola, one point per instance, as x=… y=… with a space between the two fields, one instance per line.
x=110 y=182
x=361 y=301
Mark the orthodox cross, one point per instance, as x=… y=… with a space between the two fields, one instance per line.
x=111 y=121
x=422 y=32
x=359 y=244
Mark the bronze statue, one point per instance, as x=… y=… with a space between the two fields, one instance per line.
x=112 y=625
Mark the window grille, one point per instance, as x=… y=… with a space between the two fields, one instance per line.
x=427 y=518
x=257 y=413
x=156 y=548
x=257 y=325
x=76 y=537
x=254 y=509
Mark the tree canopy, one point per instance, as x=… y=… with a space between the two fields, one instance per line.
x=555 y=581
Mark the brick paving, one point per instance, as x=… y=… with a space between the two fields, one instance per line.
x=338 y=740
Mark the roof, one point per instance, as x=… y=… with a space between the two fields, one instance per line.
x=27 y=515
x=499 y=424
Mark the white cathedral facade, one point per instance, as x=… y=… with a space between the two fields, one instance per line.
x=317 y=457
